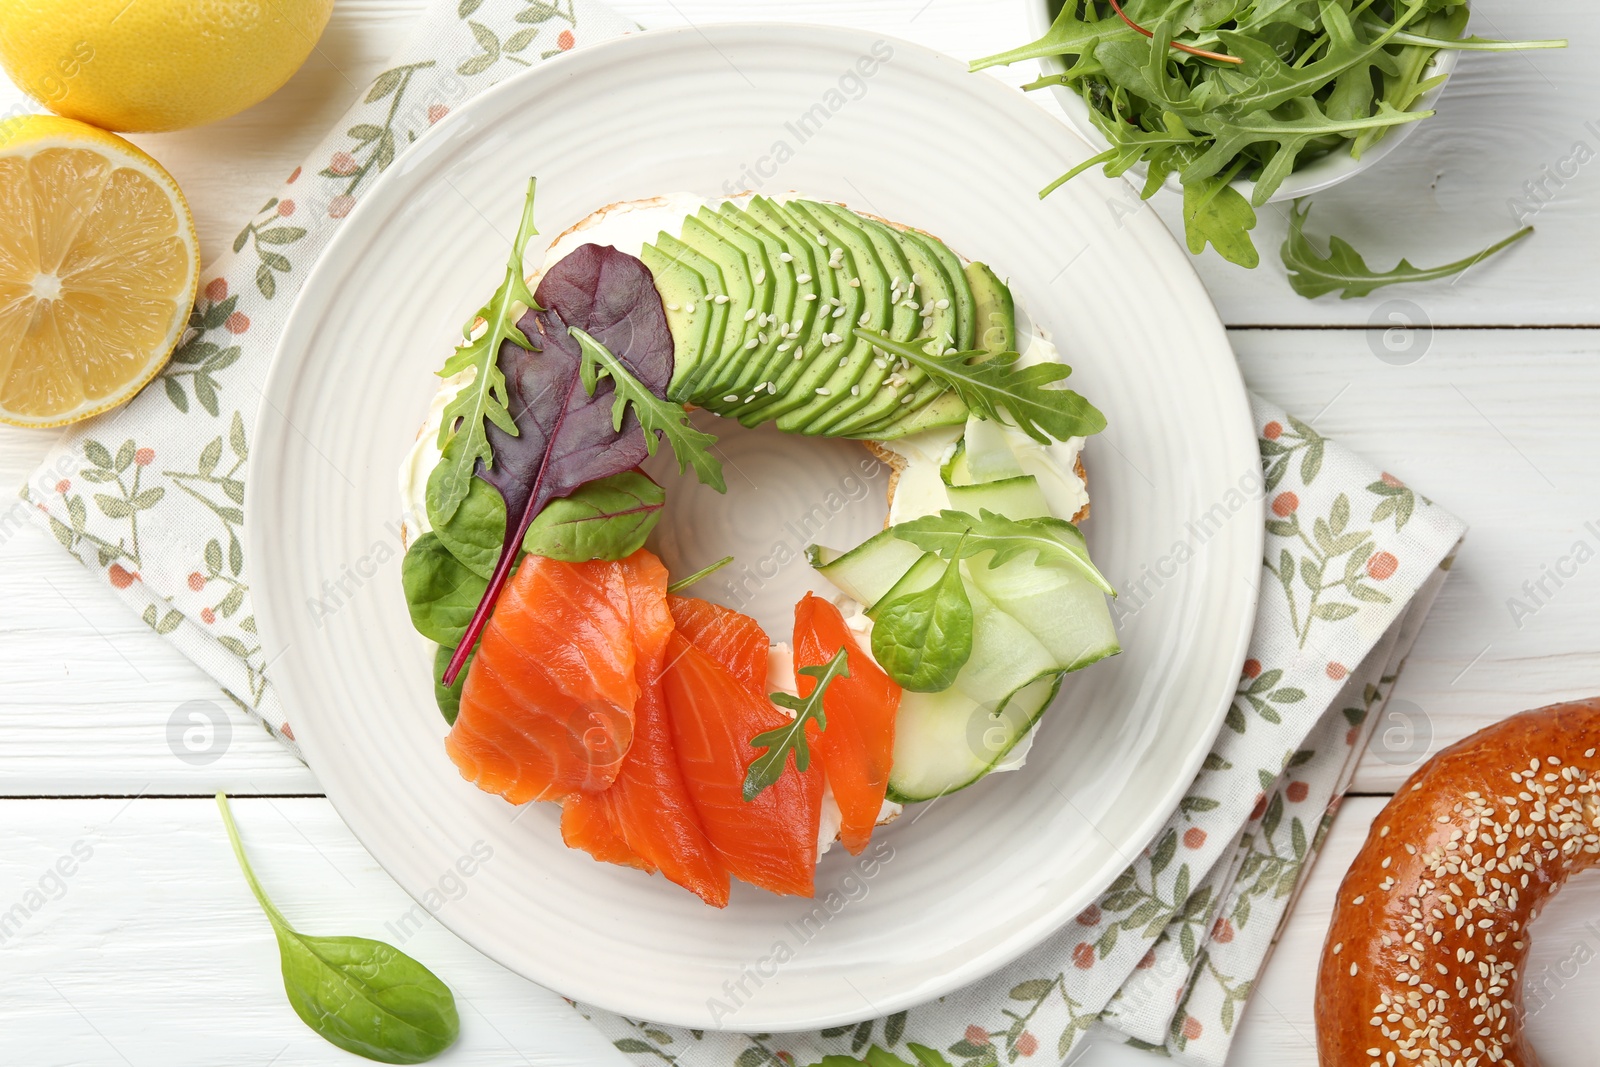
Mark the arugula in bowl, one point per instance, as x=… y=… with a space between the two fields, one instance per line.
x=1224 y=92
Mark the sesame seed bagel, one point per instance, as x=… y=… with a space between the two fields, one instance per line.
x=1424 y=960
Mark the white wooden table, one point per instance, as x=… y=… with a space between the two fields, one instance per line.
x=152 y=952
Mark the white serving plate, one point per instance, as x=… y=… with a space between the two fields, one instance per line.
x=964 y=884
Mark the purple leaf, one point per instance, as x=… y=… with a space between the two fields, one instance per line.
x=565 y=436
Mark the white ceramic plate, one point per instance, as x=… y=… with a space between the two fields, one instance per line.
x=963 y=885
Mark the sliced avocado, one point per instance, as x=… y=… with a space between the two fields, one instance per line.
x=797 y=260
x=944 y=409
x=868 y=390
x=820 y=356
x=995 y=310
x=717 y=383
x=740 y=291
x=994 y=330
x=778 y=277
x=673 y=249
x=683 y=295
x=932 y=287
x=858 y=259
x=965 y=332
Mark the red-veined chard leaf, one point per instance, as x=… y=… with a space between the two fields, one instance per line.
x=565 y=434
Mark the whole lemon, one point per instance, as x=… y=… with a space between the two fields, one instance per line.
x=148 y=65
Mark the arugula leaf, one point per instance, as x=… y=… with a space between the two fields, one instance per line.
x=1307 y=78
x=1216 y=213
x=922 y=639
x=605 y=519
x=441 y=591
x=364 y=996
x=957 y=535
x=704 y=572
x=768 y=767
x=484 y=398
x=1067 y=35
x=691 y=447
x=1313 y=274
x=565 y=435
x=1289 y=136
x=998 y=390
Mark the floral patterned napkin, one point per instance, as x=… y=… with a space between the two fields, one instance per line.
x=151 y=497
x=1166 y=959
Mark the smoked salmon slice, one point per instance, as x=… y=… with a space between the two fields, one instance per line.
x=586 y=824
x=771 y=841
x=547 y=707
x=857 y=748
x=650 y=807
x=732 y=639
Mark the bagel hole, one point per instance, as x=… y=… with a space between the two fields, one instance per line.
x=1561 y=981
x=785 y=493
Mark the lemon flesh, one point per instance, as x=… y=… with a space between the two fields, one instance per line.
x=98 y=270
x=156 y=64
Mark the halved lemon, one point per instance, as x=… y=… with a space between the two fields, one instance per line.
x=98 y=269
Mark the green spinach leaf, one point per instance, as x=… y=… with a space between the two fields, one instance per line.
x=441 y=592
x=1314 y=274
x=766 y=768
x=604 y=519
x=922 y=639
x=364 y=996
x=448 y=697
x=475 y=531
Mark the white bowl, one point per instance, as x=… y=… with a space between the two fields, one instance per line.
x=961 y=886
x=1320 y=174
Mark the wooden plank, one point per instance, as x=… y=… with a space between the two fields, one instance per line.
x=1489 y=425
x=155 y=952
x=1502 y=122
x=157 y=925
x=1494 y=425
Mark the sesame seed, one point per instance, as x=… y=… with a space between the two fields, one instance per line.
x=941 y=304
x=822 y=391
x=802 y=278
x=734 y=399
x=855 y=283
x=785 y=257
x=672 y=307
x=855 y=390
x=811 y=296
x=689 y=308
x=761 y=275
x=721 y=298
x=751 y=344
x=750 y=315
